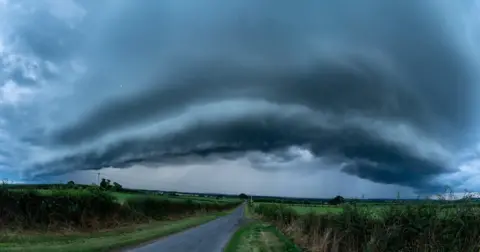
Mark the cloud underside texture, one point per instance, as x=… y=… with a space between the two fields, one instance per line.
x=380 y=96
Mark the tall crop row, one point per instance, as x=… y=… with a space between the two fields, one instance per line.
x=423 y=227
x=88 y=209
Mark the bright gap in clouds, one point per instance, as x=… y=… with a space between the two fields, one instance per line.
x=308 y=99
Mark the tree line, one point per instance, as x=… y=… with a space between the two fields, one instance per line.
x=105 y=184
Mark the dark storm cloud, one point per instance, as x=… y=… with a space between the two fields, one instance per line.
x=324 y=87
x=435 y=75
x=381 y=88
x=387 y=163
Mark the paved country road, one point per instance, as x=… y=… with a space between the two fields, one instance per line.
x=209 y=237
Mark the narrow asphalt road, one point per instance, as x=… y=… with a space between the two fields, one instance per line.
x=209 y=237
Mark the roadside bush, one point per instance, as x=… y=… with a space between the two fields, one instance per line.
x=25 y=209
x=423 y=227
x=90 y=208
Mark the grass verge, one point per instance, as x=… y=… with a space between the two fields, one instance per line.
x=261 y=237
x=100 y=241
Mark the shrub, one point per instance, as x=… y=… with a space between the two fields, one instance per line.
x=32 y=209
x=421 y=227
x=87 y=209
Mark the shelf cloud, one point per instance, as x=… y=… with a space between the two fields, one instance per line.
x=385 y=92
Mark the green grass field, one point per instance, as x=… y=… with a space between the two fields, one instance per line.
x=305 y=209
x=375 y=210
x=316 y=209
x=124 y=196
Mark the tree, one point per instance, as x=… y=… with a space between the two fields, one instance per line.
x=70 y=184
x=243 y=196
x=337 y=200
x=117 y=187
x=104 y=184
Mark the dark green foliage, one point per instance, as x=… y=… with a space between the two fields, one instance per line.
x=336 y=201
x=419 y=227
x=117 y=187
x=91 y=208
x=243 y=196
x=105 y=184
x=42 y=186
x=25 y=209
x=71 y=185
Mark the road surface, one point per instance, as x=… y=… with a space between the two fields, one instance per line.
x=209 y=237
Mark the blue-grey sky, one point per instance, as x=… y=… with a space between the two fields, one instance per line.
x=310 y=98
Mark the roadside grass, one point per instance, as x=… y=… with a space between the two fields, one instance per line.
x=107 y=240
x=260 y=237
x=249 y=213
x=257 y=236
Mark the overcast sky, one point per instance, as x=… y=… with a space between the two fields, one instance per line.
x=294 y=98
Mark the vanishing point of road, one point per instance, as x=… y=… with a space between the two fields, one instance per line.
x=209 y=237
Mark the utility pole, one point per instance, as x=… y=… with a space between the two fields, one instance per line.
x=98 y=179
